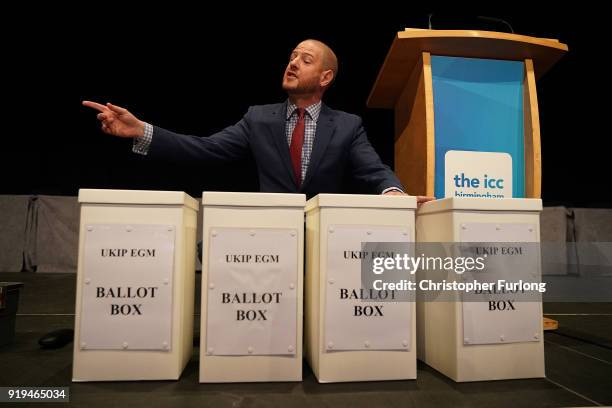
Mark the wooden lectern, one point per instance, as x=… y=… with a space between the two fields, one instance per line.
x=434 y=117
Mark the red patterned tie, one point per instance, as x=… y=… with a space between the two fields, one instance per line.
x=297 y=140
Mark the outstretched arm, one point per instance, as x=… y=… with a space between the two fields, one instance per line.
x=232 y=143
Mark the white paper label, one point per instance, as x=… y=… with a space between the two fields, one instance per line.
x=503 y=319
x=352 y=323
x=127 y=287
x=252 y=292
x=477 y=174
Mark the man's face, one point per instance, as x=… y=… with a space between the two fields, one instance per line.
x=303 y=73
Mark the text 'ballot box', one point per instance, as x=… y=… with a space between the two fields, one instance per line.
x=350 y=336
x=498 y=336
x=252 y=279
x=135 y=285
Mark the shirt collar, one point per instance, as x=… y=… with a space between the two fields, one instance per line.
x=313 y=110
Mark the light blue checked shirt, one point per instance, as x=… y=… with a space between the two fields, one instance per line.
x=142 y=144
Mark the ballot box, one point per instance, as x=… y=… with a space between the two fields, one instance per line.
x=495 y=333
x=252 y=283
x=135 y=285
x=355 y=333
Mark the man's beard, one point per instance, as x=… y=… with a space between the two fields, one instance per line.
x=306 y=88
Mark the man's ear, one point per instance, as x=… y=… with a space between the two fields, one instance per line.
x=326 y=78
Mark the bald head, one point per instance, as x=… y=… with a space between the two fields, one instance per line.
x=328 y=57
x=329 y=61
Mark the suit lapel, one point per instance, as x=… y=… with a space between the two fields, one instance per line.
x=279 y=122
x=324 y=133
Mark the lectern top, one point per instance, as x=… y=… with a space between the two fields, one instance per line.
x=408 y=46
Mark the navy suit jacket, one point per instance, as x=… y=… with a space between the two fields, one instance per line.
x=340 y=149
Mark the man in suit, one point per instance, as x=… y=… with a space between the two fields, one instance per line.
x=299 y=146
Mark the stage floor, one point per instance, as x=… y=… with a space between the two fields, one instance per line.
x=578 y=367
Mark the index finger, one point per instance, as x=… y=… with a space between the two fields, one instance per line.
x=95 y=105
